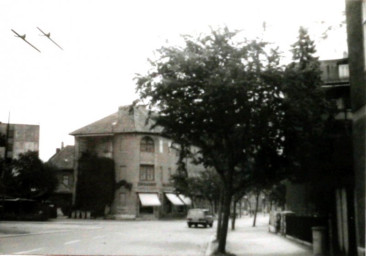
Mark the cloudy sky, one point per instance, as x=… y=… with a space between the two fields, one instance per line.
x=107 y=42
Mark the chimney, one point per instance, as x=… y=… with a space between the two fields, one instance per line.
x=62 y=145
x=57 y=150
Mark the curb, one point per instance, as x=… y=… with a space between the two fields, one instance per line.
x=299 y=241
x=212 y=246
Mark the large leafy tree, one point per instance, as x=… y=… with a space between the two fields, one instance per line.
x=2 y=140
x=6 y=179
x=96 y=183
x=204 y=185
x=222 y=95
x=309 y=113
x=317 y=147
x=28 y=177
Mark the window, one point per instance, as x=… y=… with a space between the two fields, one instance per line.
x=170 y=147
x=340 y=104
x=65 y=180
x=343 y=71
x=147 y=145
x=161 y=146
x=146 y=173
x=146 y=209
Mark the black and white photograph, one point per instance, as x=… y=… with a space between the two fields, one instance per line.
x=173 y=128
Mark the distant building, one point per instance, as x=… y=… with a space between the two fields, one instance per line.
x=19 y=138
x=63 y=160
x=142 y=157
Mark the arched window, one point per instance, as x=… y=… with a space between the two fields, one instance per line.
x=147 y=145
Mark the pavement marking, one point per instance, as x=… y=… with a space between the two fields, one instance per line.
x=72 y=242
x=98 y=237
x=35 y=233
x=27 y=252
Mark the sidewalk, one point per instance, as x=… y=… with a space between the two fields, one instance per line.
x=246 y=240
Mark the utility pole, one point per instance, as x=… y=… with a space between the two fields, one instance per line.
x=7 y=140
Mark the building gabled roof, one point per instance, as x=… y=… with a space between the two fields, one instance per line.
x=64 y=159
x=128 y=119
x=101 y=126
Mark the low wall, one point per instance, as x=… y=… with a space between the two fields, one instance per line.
x=300 y=226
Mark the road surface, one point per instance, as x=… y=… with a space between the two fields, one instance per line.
x=93 y=237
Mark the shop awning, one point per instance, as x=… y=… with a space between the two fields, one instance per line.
x=174 y=199
x=149 y=199
x=185 y=199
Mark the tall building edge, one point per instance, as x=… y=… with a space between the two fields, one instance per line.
x=356 y=25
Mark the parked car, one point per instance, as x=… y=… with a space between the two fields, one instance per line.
x=199 y=217
x=22 y=209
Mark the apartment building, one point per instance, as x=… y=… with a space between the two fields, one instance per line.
x=142 y=157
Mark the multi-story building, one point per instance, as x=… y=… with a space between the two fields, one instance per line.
x=142 y=158
x=19 y=138
x=63 y=161
x=356 y=32
x=337 y=210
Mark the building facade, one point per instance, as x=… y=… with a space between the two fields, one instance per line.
x=63 y=161
x=356 y=32
x=335 y=201
x=142 y=157
x=19 y=138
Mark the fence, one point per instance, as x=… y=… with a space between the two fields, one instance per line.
x=300 y=226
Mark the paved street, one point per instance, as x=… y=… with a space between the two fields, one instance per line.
x=103 y=237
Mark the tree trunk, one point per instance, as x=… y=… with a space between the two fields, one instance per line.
x=270 y=206
x=215 y=206
x=234 y=216
x=240 y=213
x=249 y=206
x=256 y=208
x=225 y=220
x=219 y=221
x=211 y=205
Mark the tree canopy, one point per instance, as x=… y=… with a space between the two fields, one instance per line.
x=96 y=183
x=222 y=94
x=309 y=113
x=28 y=177
x=204 y=185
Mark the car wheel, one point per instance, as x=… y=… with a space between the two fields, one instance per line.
x=211 y=225
x=205 y=225
x=195 y=225
x=189 y=225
